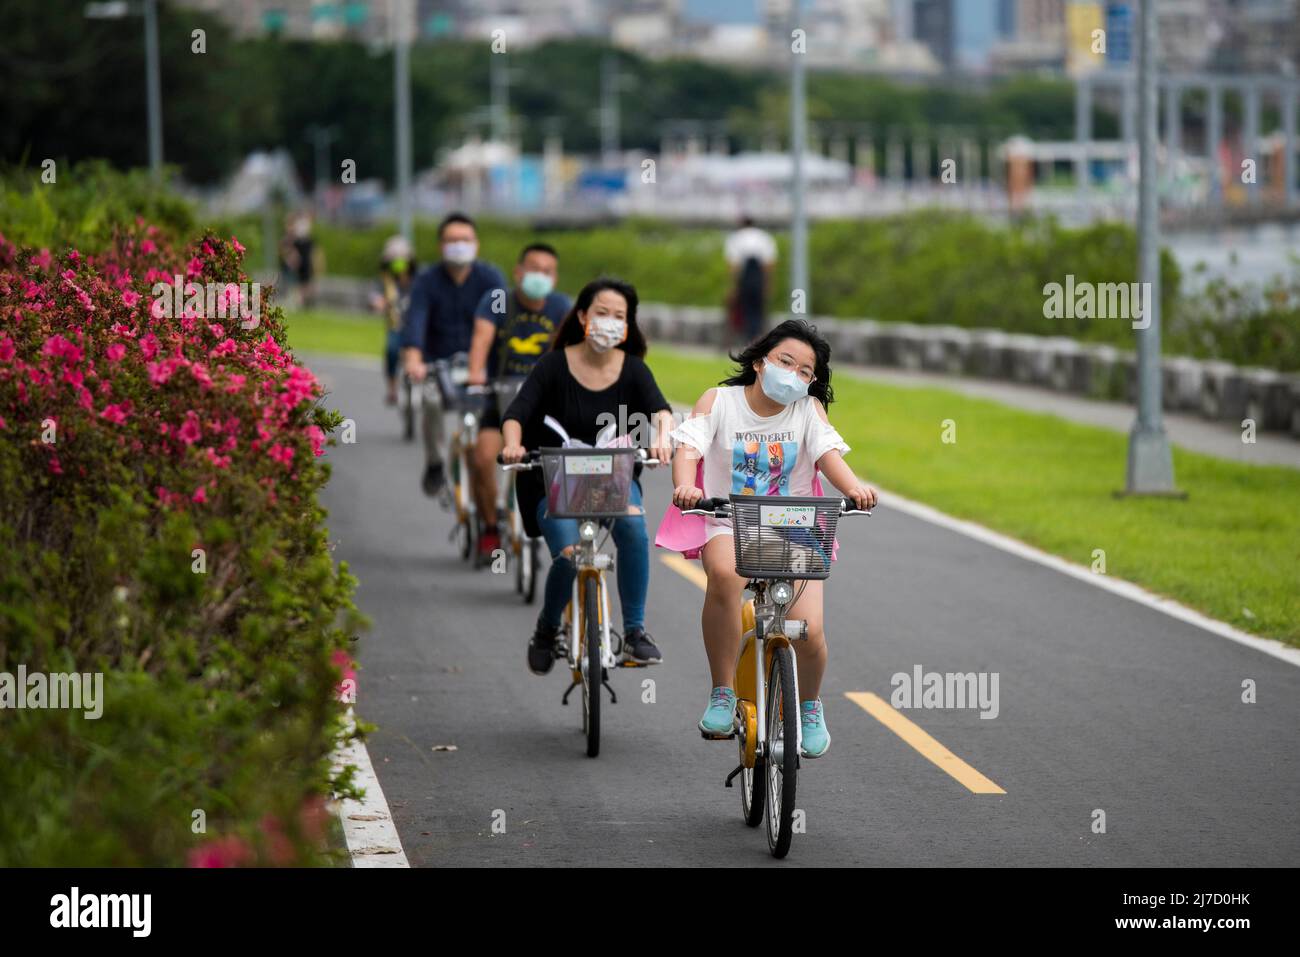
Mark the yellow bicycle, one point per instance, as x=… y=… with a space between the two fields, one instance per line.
x=592 y=486
x=779 y=540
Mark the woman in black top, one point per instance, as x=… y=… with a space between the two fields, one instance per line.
x=593 y=376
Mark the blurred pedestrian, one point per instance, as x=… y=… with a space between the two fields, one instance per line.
x=297 y=255
x=390 y=298
x=751 y=254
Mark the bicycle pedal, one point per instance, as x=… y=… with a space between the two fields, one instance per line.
x=708 y=736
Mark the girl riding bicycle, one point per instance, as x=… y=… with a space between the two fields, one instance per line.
x=593 y=376
x=764 y=431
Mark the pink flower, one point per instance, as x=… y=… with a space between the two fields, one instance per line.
x=200 y=495
x=236 y=243
x=149 y=346
x=129 y=299
x=56 y=345
x=147 y=246
x=115 y=352
x=160 y=372
x=317 y=437
x=7 y=350
x=189 y=433
x=195 y=268
x=114 y=413
x=221 y=852
x=281 y=453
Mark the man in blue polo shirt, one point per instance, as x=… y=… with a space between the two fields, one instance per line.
x=439 y=323
x=512 y=328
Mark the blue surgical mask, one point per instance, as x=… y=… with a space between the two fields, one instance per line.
x=536 y=285
x=780 y=384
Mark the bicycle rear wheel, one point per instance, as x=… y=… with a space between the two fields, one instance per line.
x=591 y=678
x=782 y=752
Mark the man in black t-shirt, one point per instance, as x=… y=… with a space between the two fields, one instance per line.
x=512 y=328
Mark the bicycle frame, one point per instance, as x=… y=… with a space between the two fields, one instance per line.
x=591 y=563
x=764 y=624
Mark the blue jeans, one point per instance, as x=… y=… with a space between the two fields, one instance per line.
x=392 y=350
x=633 y=564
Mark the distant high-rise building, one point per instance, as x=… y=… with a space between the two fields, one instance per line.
x=960 y=35
x=933 y=25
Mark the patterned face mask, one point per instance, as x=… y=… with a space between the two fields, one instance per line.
x=605 y=332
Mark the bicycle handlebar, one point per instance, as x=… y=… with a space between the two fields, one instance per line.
x=533 y=459
x=721 y=508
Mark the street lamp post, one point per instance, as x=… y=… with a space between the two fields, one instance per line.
x=115 y=10
x=154 y=87
x=402 y=114
x=1150 y=462
x=798 y=135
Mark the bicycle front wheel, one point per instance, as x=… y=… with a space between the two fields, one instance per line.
x=591 y=679
x=529 y=559
x=782 y=753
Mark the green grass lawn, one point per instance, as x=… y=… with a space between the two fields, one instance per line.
x=1230 y=550
x=325 y=330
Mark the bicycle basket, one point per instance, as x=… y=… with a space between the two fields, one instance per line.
x=587 y=483
x=784 y=536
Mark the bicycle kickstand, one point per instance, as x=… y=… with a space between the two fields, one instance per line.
x=613 y=698
x=731 y=776
x=565 y=699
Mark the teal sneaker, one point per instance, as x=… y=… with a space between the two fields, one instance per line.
x=720 y=716
x=816 y=739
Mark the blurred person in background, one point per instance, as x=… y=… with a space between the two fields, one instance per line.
x=297 y=256
x=751 y=254
x=390 y=299
x=512 y=328
x=438 y=324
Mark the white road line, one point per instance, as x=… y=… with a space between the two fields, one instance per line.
x=1116 y=586
x=368 y=824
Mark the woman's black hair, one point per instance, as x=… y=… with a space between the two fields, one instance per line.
x=571 y=330
x=799 y=329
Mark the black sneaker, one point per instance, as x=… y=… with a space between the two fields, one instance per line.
x=639 y=649
x=541 y=648
x=433 y=480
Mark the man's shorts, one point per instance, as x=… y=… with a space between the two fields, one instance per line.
x=490 y=418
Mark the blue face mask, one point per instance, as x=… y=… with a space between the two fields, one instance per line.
x=780 y=384
x=536 y=285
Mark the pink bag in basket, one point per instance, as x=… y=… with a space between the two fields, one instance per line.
x=688 y=533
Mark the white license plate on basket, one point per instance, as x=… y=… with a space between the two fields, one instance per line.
x=588 y=464
x=787 y=516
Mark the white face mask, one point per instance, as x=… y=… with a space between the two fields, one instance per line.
x=605 y=332
x=459 y=253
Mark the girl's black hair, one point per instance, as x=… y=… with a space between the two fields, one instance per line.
x=799 y=329
x=571 y=330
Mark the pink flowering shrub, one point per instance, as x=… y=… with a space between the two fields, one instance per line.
x=159 y=524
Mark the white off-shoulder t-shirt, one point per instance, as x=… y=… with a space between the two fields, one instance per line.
x=749 y=454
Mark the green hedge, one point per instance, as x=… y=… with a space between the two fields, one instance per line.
x=129 y=440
